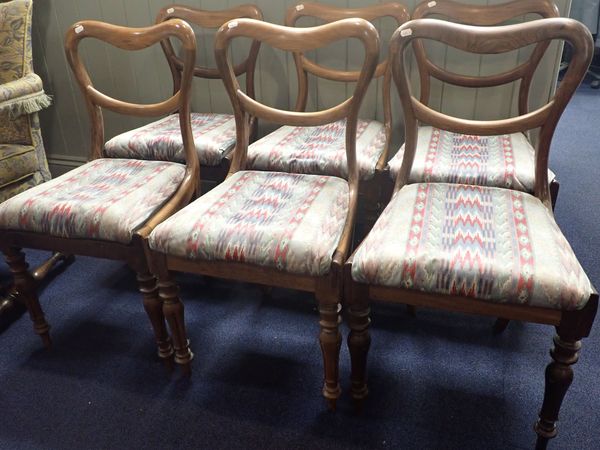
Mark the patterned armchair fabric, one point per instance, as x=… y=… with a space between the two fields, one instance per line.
x=22 y=157
x=106 y=199
x=445 y=157
x=318 y=150
x=290 y=222
x=214 y=137
x=488 y=243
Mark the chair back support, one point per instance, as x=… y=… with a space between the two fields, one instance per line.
x=328 y=13
x=486 y=40
x=135 y=39
x=210 y=20
x=482 y=15
x=297 y=40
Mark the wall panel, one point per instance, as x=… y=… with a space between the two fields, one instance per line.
x=146 y=78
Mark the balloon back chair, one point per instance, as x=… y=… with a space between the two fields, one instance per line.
x=478 y=249
x=107 y=207
x=273 y=227
x=499 y=161
x=214 y=134
x=320 y=150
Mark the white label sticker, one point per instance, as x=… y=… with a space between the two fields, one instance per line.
x=431 y=4
x=78 y=29
x=232 y=24
x=299 y=7
x=170 y=10
x=406 y=32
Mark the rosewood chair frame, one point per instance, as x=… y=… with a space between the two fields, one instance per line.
x=327 y=288
x=571 y=326
x=213 y=20
x=485 y=16
x=11 y=241
x=369 y=190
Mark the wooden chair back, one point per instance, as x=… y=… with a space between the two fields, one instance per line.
x=136 y=39
x=328 y=13
x=482 y=15
x=491 y=40
x=211 y=20
x=297 y=40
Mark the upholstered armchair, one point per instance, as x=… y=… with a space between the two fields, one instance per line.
x=22 y=158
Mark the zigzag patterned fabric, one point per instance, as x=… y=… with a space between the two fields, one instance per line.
x=106 y=199
x=487 y=243
x=505 y=161
x=214 y=137
x=290 y=222
x=318 y=150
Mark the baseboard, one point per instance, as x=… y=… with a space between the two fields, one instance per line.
x=60 y=164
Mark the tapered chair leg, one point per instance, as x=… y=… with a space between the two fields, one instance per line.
x=173 y=311
x=359 y=341
x=559 y=375
x=330 y=339
x=26 y=288
x=154 y=308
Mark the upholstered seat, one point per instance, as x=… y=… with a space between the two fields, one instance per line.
x=505 y=161
x=291 y=222
x=214 y=137
x=318 y=150
x=493 y=244
x=105 y=199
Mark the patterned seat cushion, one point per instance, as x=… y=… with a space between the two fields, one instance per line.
x=505 y=161
x=488 y=243
x=291 y=222
x=214 y=137
x=106 y=199
x=318 y=150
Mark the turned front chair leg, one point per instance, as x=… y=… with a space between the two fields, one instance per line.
x=173 y=311
x=359 y=341
x=154 y=308
x=559 y=375
x=330 y=339
x=25 y=285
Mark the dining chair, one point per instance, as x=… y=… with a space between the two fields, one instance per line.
x=214 y=133
x=477 y=249
x=320 y=149
x=500 y=161
x=107 y=207
x=273 y=228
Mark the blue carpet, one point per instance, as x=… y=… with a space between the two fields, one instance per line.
x=437 y=381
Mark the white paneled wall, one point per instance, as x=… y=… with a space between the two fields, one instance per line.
x=144 y=76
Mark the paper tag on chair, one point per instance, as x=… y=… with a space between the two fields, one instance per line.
x=406 y=32
x=431 y=4
x=170 y=10
x=299 y=7
x=78 y=29
x=232 y=24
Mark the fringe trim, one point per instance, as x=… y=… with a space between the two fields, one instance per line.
x=26 y=104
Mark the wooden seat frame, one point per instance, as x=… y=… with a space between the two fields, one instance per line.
x=213 y=20
x=484 y=16
x=370 y=190
x=11 y=241
x=327 y=288
x=571 y=326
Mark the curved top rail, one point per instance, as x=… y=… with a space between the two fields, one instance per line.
x=214 y=20
x=329 y=13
